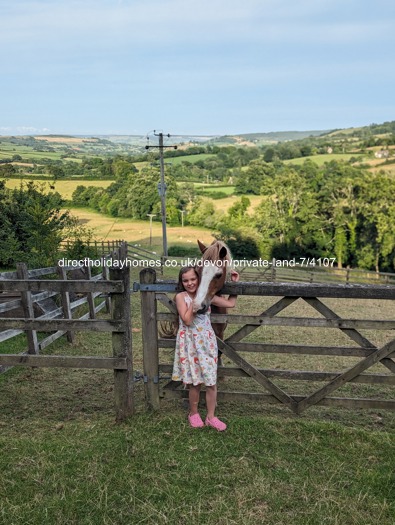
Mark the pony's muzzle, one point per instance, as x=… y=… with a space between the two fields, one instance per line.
x=201 y=308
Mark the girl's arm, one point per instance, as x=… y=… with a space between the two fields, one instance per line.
x=230 y=302
x=185 y=310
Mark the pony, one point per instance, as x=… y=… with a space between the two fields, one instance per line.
x=213 y=270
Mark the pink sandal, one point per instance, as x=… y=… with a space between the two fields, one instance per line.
x=195 y=421
x=216 y=423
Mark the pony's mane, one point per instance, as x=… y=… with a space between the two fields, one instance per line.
x=211 y=253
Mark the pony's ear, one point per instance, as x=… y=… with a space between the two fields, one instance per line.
x=223 y=252
x=202 y=247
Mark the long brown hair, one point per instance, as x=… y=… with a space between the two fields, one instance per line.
x=169 y=329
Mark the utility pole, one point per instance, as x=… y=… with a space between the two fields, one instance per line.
x=150 y=215
x=162 y=187
x=182 y=217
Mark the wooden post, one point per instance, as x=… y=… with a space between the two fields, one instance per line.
x=273 y=273
x=28 y=310
x=89 y=295
x=106 y=276
x=150 y=340
x=66 y=303
x=122 y=343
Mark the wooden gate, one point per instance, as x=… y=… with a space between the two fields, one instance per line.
x=153 y=292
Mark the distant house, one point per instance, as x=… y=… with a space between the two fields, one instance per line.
x=382 y=154
x=329 y=150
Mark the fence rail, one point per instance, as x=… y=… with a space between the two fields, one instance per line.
x=276 y=270
x=112 y=286
x=285 y=294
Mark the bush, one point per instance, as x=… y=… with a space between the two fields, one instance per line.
x=213 y=194
x=180 y=250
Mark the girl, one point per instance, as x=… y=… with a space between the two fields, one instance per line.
x=195 y=360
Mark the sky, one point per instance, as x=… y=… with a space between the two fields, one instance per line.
x=208 y=67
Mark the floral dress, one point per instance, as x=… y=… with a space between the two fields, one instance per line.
x=196 y=355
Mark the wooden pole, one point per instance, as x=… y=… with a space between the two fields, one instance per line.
x=89 y=295
x=106 y=277
x=122 y=342
x=66 y=303
x=150 y=340
x=27 y=304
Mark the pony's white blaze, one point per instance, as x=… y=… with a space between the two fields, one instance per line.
x=209 y=271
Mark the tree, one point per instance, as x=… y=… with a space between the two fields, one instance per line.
x=377 y=218
x=251 y=180
x=32 y=225
x=7 y=170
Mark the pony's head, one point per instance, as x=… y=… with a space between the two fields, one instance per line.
x=213 y=269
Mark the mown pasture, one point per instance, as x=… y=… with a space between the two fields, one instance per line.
x=136 y=231
x=64 y=187
x=322 y=159
x=65 y=461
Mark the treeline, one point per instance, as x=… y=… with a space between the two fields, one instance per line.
x=105 y=168
x=336 y=210
x=33 y=224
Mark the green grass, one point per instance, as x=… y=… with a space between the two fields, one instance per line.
x=65 y=461
x=209 y=188
x=190 y=158
x=321 y=159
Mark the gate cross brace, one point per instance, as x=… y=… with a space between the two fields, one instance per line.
x=350 y=332
x=257 y=375
x=349 y=374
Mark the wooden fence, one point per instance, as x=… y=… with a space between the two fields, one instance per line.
x=154 y=292
x=112 y=285
x=308 y=270
x=97 y=248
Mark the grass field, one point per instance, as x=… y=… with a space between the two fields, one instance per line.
x=64 y=187
x=178 y=160
x=207 y=188
x=321 y=159
x=65 y=461
x=189 y=158
x=109 y=228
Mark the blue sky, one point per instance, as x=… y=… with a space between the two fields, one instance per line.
x=188 y=67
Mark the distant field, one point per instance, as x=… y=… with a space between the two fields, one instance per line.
x=388 y=168
x=178 y=160
x=225 y=204
x=214 y=188
x=28 y=153
x=110 y=228
x=64 y=140
x=65 y=187
x=190 y=158
x=321 y=159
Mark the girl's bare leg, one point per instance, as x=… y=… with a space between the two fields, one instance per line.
x=194 y=393
x=211 y=400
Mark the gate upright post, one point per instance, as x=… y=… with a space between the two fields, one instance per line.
x=150 y=340
x=28 y=309
x=122 y=341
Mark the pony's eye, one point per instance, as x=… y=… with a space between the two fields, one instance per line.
x=218 y=275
